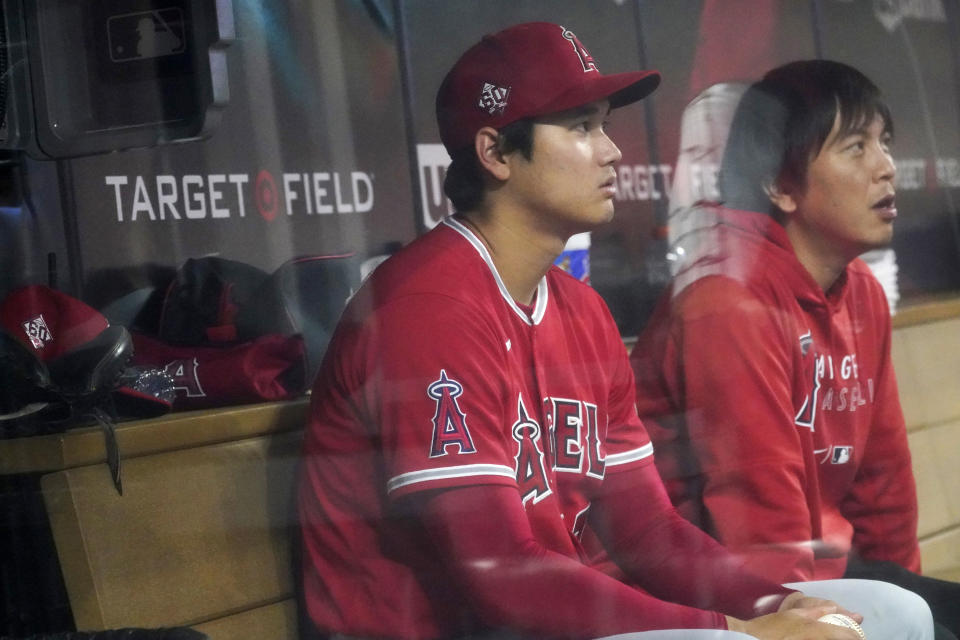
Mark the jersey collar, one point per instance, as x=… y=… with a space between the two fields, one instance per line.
x=540 y=306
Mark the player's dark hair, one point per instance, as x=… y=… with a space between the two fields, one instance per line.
x=464 y=183
x=782 y=122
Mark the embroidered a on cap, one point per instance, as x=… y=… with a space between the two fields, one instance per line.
x=589 y=64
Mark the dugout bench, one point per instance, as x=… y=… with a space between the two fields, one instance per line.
x=202 y=534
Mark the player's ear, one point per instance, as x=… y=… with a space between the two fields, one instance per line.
x=486 y=144
x=782 y=199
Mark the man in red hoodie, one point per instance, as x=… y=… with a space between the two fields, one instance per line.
x=764 y=377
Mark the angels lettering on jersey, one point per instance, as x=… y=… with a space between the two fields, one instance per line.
x=842 y=388
x=836 y=386
x=529 y=467
x=572 y=437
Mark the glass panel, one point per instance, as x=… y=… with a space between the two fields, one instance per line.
x=908 y=49
x=309 y=158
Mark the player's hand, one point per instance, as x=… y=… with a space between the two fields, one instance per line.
x=798 y=601
x=795 y=624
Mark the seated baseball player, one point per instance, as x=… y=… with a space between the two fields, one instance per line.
x=473 y=463
x=764 y=376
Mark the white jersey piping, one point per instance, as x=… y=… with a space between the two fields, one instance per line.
x=541 y=305
x=445 y=473
x=613 y=460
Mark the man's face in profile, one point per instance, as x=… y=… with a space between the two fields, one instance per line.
x=847 y=206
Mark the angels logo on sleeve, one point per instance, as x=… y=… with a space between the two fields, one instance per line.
x=449 y=421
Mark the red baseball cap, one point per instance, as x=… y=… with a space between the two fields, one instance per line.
x=49 y=322
x=527 y=70
x=52 y=325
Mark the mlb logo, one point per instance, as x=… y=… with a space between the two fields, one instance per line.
x=841 y=455
x=493 y=99
x=37 y=331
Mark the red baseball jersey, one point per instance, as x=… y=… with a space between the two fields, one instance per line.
x=437 y=378
x=774 y=406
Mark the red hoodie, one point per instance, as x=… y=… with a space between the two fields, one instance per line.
x=773 y=406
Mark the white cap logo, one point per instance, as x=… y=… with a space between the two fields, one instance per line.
x=37 y=331
x=493 y=99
